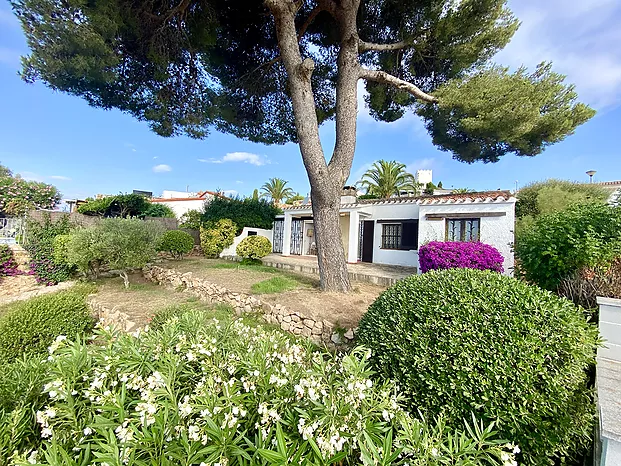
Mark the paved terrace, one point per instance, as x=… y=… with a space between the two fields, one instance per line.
x=379 y=274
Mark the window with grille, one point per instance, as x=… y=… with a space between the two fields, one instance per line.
x=463 y=229
x=402 y=235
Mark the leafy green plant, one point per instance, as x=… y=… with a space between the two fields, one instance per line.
x=176 y=242
x=40 y=246
x=61 y=243
x=216 y=236
x=158 y=210
x=216 y=390
x=254 y=247
x=558 y=245
x=278 y=284
x=248 y=212
x=29 y=327
x=8 y=264
x=464 y=341
x=117 y=243
x=191 y=220
x=120 y=205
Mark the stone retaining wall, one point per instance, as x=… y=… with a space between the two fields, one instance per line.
x=319 y=331
x=111 y=316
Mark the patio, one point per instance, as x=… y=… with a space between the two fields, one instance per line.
x=378 y=274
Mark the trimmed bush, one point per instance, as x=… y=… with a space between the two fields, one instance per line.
x=216 y=236
x=8 y=264
x=176 y=242
x=559 y=245
x=191 y=220
x=61 y=244
x=438 y=255
x=254 y=247
x=29 y=327
x=158 y=210
x=204 y=390
x=465 y=341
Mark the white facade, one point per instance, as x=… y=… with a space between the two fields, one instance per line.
x=493 y=212
x=232 y=249
x=424 y=177
x=181 y=202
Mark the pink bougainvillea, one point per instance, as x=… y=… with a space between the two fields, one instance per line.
x=459 y=255
x=8 y=264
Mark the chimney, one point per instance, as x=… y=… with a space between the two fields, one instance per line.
x=349 y=195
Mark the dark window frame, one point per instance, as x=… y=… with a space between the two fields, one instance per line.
x=462 y=229
x=401 y=244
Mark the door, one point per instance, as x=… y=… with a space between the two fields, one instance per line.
x=368 y=229
x=279 y=227
x=297 y=236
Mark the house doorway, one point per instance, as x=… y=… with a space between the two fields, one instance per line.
x=367 y=230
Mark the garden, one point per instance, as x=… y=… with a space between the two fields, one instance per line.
x=459 y=365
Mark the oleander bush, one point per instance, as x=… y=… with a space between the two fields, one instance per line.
x=8 y=264
x=465 y=341
x=254 y=247
x=559 y=245
x=218 y=391
x=438 y=255
x=29 y=327
x=176 y=243
x=216 y=236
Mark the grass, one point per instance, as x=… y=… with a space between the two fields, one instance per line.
x=278 y=284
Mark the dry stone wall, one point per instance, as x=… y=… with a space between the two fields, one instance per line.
x=319 y=331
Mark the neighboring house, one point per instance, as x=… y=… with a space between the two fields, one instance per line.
x=180 y=201
x=390 y=231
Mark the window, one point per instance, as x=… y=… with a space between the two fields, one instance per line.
x=252 y=233
x=399 y=234
x=463 y=229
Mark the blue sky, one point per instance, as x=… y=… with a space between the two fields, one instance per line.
x=57 y=138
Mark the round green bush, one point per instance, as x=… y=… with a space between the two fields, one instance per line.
x=465 y=341
x=216 y=236
x=61 y=244
x=176 y=242
x=29 y=327
x=254 y=247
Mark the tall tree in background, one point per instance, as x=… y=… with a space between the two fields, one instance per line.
x=385 y=179
x=272 y=71
x=277 y=190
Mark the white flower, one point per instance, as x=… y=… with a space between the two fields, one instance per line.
x=87 y=431
x=435 y=452
x=194 y=433
x=50 y=412
x=32 y=457
x=47 y=432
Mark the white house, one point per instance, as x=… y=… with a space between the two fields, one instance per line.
x=180 y=201
x=390 y=231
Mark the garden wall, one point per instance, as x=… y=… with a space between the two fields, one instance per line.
x=288 y=320
x=231 y=251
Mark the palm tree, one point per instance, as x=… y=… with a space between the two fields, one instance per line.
x=385 y=179
x=276 y=189
x=462 y=190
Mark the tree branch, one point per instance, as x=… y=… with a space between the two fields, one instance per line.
x=366 y=46
x=385 y=78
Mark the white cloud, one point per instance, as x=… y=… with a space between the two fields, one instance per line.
x=244 y=157
x=239 y=182
x=162 y=168
x=230 y=192
x=580 y=38
x=60 y=178
x=155 y=157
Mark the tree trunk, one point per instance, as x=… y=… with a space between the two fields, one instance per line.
x=125 y=278
x=333 y=275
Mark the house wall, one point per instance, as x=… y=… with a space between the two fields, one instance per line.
x=182 y=206
x=495 y=231
x=344 y=225
x=387 y=212
x=232 y=249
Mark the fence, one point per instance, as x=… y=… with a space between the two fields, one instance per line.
x=11 y=229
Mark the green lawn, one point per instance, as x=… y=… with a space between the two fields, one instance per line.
x=278 y=284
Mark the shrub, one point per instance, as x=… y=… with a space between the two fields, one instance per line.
x=183 y=395
x=587 y=284
x=159 y=210
x=254 y=247
x=29 y=327
x=455 y=255
x=558 y=245
x=191 y=220
x=176 y=242
x=40 y=247
x=248 y=212
x=8 y=264
x=216 y=236
x=61 y=252
x=117 y=243
x=465 y=341
x=120 y=205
